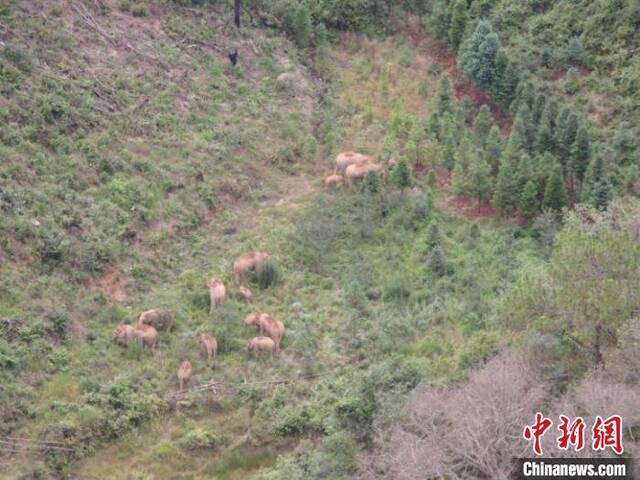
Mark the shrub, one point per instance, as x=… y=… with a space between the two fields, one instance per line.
x=20 y=58
x=371 y=183
x=267 y=274
x=398 y=289
x=199 y=439
x=297 y=422
x=59 y=324
x=53 y=247
x=139 y=11
x=207 y=194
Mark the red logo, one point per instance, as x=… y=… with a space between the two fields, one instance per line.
x=536 y=431
x=571 y=433
x=608 y=433
x=605 y=433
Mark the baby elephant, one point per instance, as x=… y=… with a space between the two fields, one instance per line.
x=245 y=294
x=208 y=346
x=217 y=292
x=184 y=373
x=261 y=344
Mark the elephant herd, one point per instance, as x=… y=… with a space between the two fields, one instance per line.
x=352 y=167
x=271 y=329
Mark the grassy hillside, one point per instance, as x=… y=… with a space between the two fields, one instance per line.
x=137 y=162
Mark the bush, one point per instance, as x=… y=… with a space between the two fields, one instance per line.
x=208 y=195
x=59 y=324
x=53 y=247
x=199 y=439
x=298 y=421
x=358 y=15
x=139 y=11
x=267 y=274
x=398 y=289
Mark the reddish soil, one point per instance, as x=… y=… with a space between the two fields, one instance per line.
x=463 y=87
x=110 y=283
x=472 y=209
x=443 y=178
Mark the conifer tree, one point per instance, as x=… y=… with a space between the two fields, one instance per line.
x=431 y=178
x=565 y=133
x=434 y=126
x=529 y=199
x=302 y=26
x=401 y=175
x=523 y=124
x=436 y=262
x=580 y=154
x=544 y=141
x=444 y=96
x=538 y=107
x=505 y=197
x=478 y=55
x=434 y=238
x=597 y=191
x=506 y=80
x=493 y=149
x=515 y=146
x=555 y=195
x=460 y=179
x=479 y=184
x=526 y=169
x=441 y=20
x=524 y=95
x=459 y=18
x=551 y=110
x=449 y=152
x=482 y=125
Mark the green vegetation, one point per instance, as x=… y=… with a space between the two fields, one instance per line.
x=137 y=162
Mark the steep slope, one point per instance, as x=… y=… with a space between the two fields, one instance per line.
x=137 y=162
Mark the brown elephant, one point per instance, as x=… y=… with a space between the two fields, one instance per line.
x=208 y=346
x=147 y=335
x=158 y=319
x=344 y=159
x=246 y=263
x=184 y=373
x=261 y=344
x=272 y=328
x=217 y=293
x=124 y=334
x=252 y=319
x=359 y=171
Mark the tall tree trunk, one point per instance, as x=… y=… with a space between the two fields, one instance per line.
x=598 y=360
x=237 y=7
